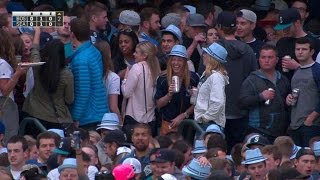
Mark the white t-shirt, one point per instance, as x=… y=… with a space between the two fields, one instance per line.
x=318 y=58
x=6 y=72
x=53 y=174
x=15 y=174
x=92 y=171
x=112 y=83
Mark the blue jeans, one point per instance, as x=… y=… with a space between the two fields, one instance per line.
x=303 y=134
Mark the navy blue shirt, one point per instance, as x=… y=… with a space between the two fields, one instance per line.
x=180 y=102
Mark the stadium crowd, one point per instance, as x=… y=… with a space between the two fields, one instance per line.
x=161 y=90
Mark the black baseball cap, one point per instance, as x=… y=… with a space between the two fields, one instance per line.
x=164 y=155
x=64 y=147
x=227 y=19
x=257 y=140
x=116 y=136
x=287 y=18
x=304 y=151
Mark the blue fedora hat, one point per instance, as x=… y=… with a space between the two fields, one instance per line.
x=68 y=163
x=214 y=128
x=195 y=170
x=174 y=30
x=295 y=150
x=179 y=50
x=60 y=132
x=217 y=51
x=316 y=148
x=199 y=147
x=253 y=156
x=109 y=121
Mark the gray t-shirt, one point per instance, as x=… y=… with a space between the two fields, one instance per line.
x=308 y=97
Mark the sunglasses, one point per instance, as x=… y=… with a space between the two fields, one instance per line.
x=128 y=30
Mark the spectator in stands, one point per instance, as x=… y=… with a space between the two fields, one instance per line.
x=194 y=38
x=212 y=35
x=6 y=25
x=255 y=164
x=129 y=20
x=269 y=119
x=114 y=146
x=17 y=154
x=302 y=7
x=109 y=123
x=49 y=31
x=291 y=19
x=97 y=16
x=64 y=34
x=211 y=99
x=170 y=37
x=273 y=156
x=94 y=164
x=90 y=101
x=68 y=170
x=185 y=149
x=150 y=25
x=138 y=86
x=241 y=61
x=305 y=161
x=305 y=111
x=10 y=74
x=246 y=23
x=164 y=162
x=123 y=50
x=32 y=147
x=110 y=79
x=175 y=106
x=208 y=11
x=27 y=39
x=141 y=138
x=285 y=145
x=213 y=129
x=46 y=142
x=54 y=87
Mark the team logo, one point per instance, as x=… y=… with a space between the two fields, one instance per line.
x=281 y=20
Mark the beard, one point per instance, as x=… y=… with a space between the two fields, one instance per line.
x=154 y=33
x=141 y=146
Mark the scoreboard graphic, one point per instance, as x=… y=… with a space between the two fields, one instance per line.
x=37 y=18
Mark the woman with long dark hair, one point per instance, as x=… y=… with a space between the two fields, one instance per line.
x=122 y=51
x=10 y=73
x=54 y=87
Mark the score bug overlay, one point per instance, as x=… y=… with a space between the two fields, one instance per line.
x=37 y=18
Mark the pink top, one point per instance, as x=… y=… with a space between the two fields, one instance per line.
x=133 y=89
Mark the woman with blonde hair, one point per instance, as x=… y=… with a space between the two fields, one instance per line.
x=211 y=99
x=138 y=86
x=175 y=106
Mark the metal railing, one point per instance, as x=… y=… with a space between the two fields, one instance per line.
x=30 y=120
x=186 y=128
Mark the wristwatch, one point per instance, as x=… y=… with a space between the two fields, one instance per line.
x=186 y=115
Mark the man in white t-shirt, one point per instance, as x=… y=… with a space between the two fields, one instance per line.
x=17 y=154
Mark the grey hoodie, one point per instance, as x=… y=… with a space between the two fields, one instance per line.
x=241 y=61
